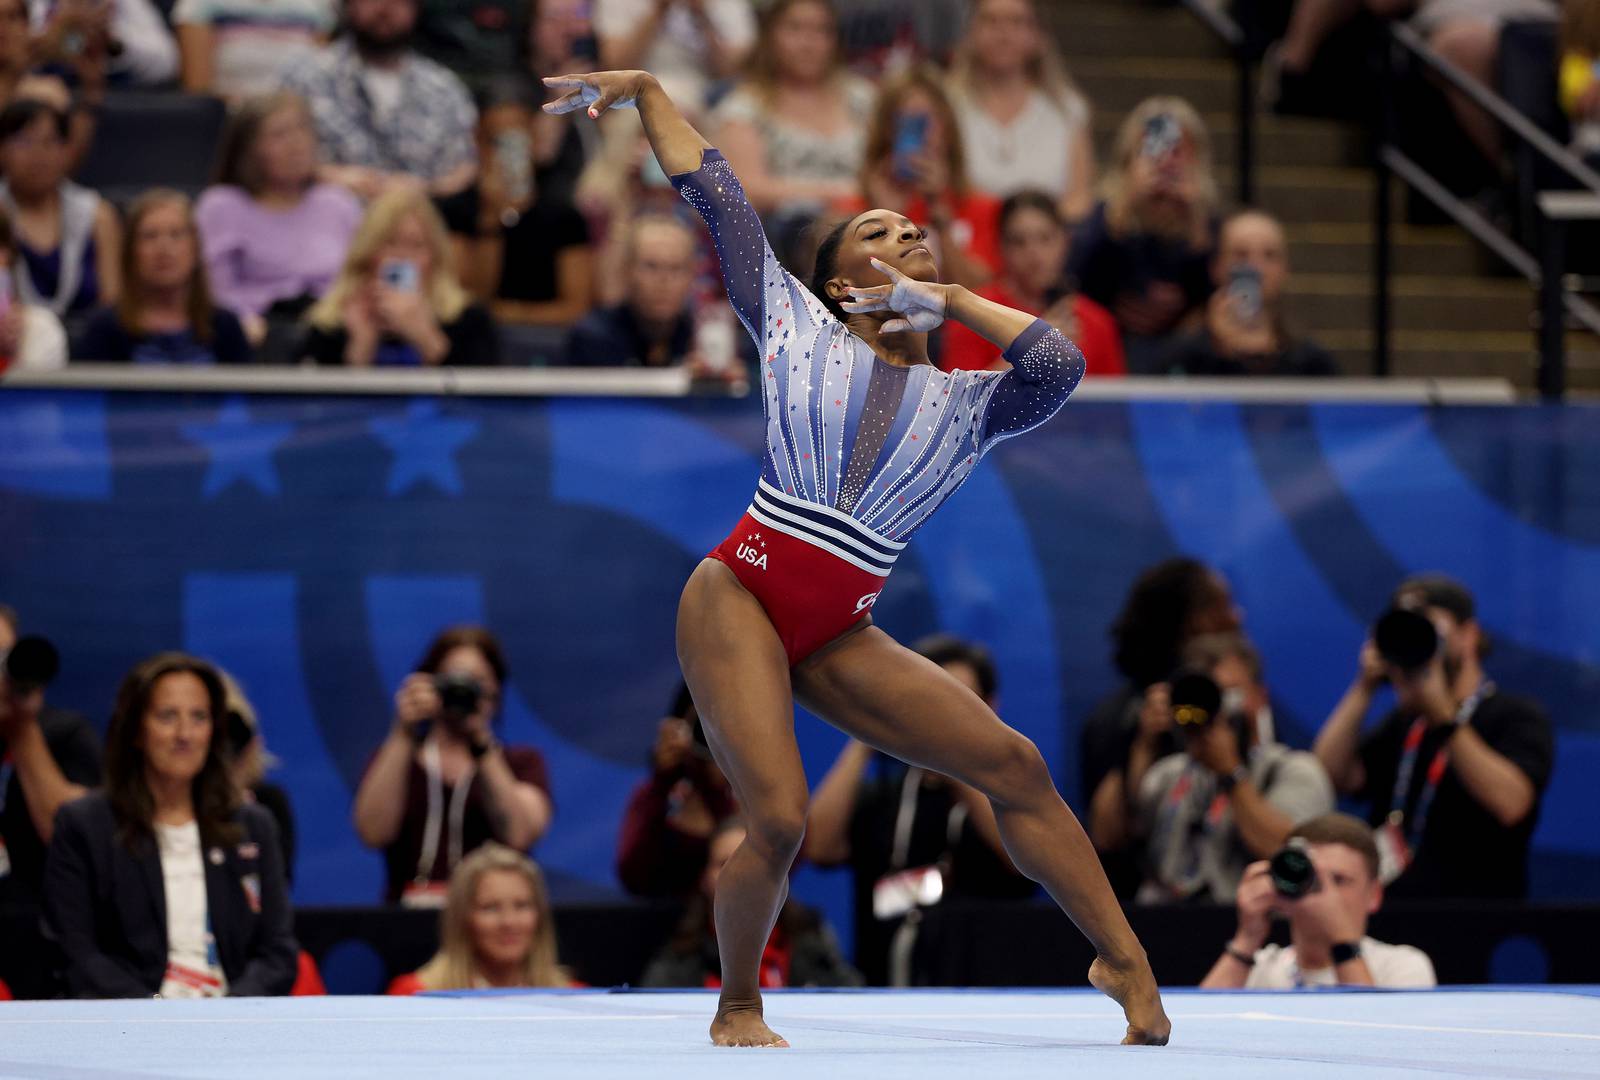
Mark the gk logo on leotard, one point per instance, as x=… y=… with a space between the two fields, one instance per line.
x=867 y=601
x=755 y=558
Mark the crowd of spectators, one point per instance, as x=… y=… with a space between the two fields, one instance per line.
x=387 y=190
x=162 y=865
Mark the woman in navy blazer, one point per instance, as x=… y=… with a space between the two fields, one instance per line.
x=163 y=883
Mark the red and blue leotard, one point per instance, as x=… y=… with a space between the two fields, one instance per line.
x=859 y=451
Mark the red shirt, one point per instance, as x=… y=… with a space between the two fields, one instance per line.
x=654 y=858
x=975 y=225
x=405 y=985
x=410 y=983
x=1098 y=337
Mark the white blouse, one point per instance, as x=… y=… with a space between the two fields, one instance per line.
x=193 y=969
x=1033 y=151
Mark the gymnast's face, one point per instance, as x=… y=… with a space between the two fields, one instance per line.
x=888 y=237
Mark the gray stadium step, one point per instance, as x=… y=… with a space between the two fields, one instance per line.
x=1323 y=248
x=1323 y=303
x=1117 y=85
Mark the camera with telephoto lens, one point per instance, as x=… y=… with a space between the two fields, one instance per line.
x=1196 y=699
x=459 y=696
x=1293 y=873
x=1405 y=638
x=32 y=664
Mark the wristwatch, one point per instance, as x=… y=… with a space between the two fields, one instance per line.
x=480 y=747
x=1230 y=780
x=1344 y=952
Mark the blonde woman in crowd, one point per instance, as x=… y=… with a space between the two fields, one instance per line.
x=1025 y=125
x=397 y=301
x=794 y=129
x=496 y=929
x=1144 y=252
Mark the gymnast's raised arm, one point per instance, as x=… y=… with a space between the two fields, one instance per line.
x=677 y=145
x=701 y=174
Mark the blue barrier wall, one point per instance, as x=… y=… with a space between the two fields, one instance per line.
x=312 y=545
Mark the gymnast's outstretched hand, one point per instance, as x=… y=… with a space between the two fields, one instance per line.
x=920 y=305
x=598 y=91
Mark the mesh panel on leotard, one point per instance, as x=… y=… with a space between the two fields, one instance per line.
x=885 y=389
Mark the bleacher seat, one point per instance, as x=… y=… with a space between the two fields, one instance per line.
x=152 y=139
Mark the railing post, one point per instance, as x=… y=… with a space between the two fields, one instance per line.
x=1247 y=126
x=1552 y=336
x=1383 y=212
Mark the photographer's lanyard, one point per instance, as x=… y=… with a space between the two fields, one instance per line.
x=1171 y=824
x=1412 y=748
x=435 y=823
x=907 y=817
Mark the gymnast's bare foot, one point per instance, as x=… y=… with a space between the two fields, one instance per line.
x=1135 y=990
x=737 y=1025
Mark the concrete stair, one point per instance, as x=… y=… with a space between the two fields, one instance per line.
x=1454 y=313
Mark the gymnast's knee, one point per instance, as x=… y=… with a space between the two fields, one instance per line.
x=1018 y=775
x=776 y=830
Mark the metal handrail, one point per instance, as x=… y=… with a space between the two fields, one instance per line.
x=1499 y=108
x=1556 y=302
x=634 y=382
x=1232 y=35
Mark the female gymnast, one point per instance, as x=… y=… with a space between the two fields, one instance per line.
x=865 y=439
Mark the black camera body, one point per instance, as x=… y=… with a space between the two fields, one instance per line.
x=1406 y=638
x=32 y=664
x=1196 y=699
x=459 y=696
x=1293 y=873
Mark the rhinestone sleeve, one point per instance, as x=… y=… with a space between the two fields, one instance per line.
x=1045 y=370
x=758 y=286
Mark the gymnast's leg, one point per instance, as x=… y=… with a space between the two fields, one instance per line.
x=739 y=676
x=889 y=697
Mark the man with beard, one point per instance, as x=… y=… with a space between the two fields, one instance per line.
x=384 y=113
x=1454 y=773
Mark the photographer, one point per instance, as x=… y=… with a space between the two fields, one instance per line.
x=441 y=784
x=48 y=757
x=1454 y=773
x=667 y=827
x=1169 y=605
x=1327 y=895
x=1227 y=798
